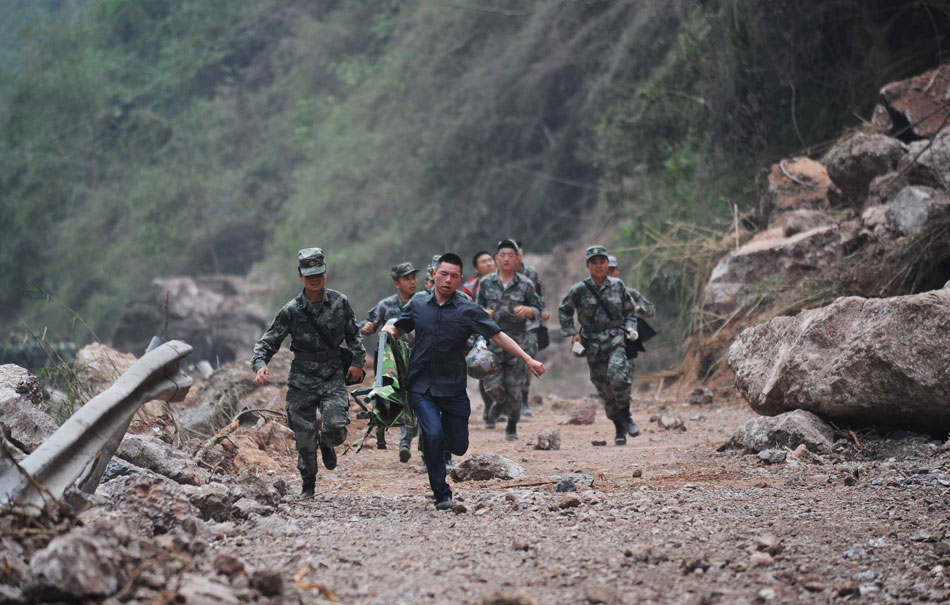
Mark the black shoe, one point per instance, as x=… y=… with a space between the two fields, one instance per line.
x=444 y=504
x=620 y=437
x=511 y=431
x=405 y=452
x=632 y=429
x=329 y=457
x=490 y=425
x=381 y=445
x=306 y=491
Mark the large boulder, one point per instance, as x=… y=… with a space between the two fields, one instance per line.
x=915 y=208
x=928 y=162
x=157 y=456
x=97 y=366
x=739 y=276
x=866 y=361
x=212 y=313
x=23 y=420
x=853 y=163
x=794 y=184
x=75 y=566
x=920 y=102
x=788 y=430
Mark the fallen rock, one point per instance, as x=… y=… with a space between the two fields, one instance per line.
x=928 y=162
x=800 y=221
x=485 y=466
x=13 y=570
x=548 y=439
x=569 y=482
x=97 y=366
x=22 y=419
x=569 y=501
x=74 y=566
x=874 y=218
x=885 y=188
x=268 y=582
x=772 y=456
x=785 y=430
x=227 y=565
x=736 y=278
x=671 y=422
x=212 y=313
x=157 y=456
x=245 y=507
x=198 y=589
x=152 y=505
x=213 y=500
x=866 y=361
x=853 y=163
x=701 y=396
x=769 y=543
x=760 y=559
x=915 y=208
x=920 y=102
x=583 y=415
x=794 y=184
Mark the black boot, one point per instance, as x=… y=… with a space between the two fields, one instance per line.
x=631 y=427
x=309 y=484
x=511 y=430
x=329 y=456
x=405 y=450
x=620 y=437
x=380 y=439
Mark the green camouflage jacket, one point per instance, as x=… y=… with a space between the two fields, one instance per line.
x=644 y=307
x=388 y=308
x=335 y=316
x=595 y=323
x=493 y=296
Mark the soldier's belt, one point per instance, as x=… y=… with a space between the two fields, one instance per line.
x=601 y=327
x=320 y=356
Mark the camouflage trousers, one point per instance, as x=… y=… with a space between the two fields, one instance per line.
x=302 y=407
x=612 y=375
x=532 y=350
x=506 y=386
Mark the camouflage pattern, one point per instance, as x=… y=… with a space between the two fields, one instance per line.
x=506 y=386
x=533 y=324
x=310 y=261
x=644 y=307
x=314 y=385
x=603 y=338
x=388 y=308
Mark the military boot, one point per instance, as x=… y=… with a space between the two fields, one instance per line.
x=631 y=427
x=525 y=408
x=620 y=437
x=511 y=430
x=380 y=439
x=306 y=490
x=329 y=456
x=405 y=450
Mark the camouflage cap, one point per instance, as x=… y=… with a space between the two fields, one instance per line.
x=611 y=261
x=402 y=269
x=310 y=261
x=597 y=250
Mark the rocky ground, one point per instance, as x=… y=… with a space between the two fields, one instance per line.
x=665 y=519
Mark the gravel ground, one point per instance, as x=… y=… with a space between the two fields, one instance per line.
x=668 y=520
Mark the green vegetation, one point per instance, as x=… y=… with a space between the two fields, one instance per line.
x=150 y=137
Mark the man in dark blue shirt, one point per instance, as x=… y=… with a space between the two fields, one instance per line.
x=443 y=322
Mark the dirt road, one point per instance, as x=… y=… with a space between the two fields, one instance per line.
x=668 y=520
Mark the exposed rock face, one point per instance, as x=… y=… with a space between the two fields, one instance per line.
x=789 y=430
x=856 y=161
x=25 y=424
x=212 y=313
x=768 y=255
x=482 y=467
x=868 y=361
x=916 y=207
x=920 y=101
x=807 y=189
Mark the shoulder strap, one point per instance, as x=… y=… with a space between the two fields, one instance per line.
x=317 y=329
x=600 y=300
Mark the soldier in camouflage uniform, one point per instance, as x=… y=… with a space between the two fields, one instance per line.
x=644 y=307
x=510 y=299
x=316 y=379
x=391 y=307
x=603 y=336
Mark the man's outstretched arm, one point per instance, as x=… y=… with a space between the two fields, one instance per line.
x=508 y=344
